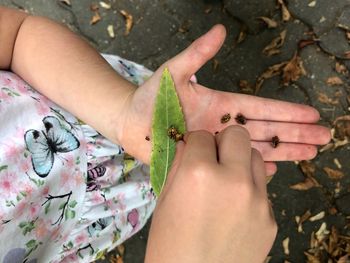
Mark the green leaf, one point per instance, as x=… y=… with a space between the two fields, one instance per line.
x=47 y=207
x=31 y=243
x=167 y=114
x=73 y=203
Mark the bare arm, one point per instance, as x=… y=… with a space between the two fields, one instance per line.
x=63 y=67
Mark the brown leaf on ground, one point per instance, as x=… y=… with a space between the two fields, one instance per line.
x=341 y=68
x=305 y=42
x=269 y=22
x=95 y=18
x=328 y=245
x=334 y=81
x=242 y=35
x=293 y=70
x=272 y=71
x=116 y=259
x=342 y=127
x=308 y=169
x=286 y=16
x=285 y=244
x=306 y=185
x=323 y=98
x=274 y=47
x=105 y=5
x=333 y=174
x=66 y=2
x=128 y=20
x=94 y=7
x=301 y=219
x=121 y=250
x=246 y=87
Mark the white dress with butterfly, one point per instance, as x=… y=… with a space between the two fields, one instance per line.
x=67 y=194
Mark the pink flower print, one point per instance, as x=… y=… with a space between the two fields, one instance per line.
x=70 y=258
x=8 y=183
x=70 y=163
x=20 y=133
x=55 y=233
x=96 y=198
x=67 y=180
x=34 y=210
x=20 y=208
x=13 y=151
x=41 y=229
x=25 y=165
x=22 y=87
x=45 y=191
x=42 y=109
x=79 y=178
x=120 y=201
x=27 y=188
x=81 y=238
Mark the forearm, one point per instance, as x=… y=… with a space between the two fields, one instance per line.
x=60 y=65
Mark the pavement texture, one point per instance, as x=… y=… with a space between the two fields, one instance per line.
x=314 y=33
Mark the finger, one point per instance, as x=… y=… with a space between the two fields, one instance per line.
x=258 y=171
x=285 y=151
x=180 y=146
x=288 y=132
x=234 y=147
x=189 y=61
x=200 y=147
x=268 y=109
x=270 y=168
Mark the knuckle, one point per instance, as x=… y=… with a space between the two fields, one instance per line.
x=238 y=130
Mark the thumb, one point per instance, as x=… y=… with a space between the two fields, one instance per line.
x=189 y=61
x=176 y=162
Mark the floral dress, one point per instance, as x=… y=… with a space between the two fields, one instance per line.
x=67 y=194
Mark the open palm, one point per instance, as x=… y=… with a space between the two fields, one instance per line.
x=203 y=108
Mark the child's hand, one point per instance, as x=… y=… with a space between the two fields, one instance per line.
x=204 y=108
x=214 y=207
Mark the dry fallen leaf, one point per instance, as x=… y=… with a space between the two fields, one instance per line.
x=246 y=87
x=95 y=18
x=305 y=42
x=308 y=169
x=110 y=30
x=274 y=47
x=116 y=259
x=272 y=71
x=293 y=70
x=319 y=216
x=216 y=64
x=94 y=7
x=300 y=220
x=312 y=4
x=121 y=250
x=333 y=174
x=269 y=22
x=242 y=35
x=341 y=68
x=342 y=127
x=105 y=5
x=128 y=20
x=337 y=163
x=67 y=2
x=285 y=244
x=323 y=98
x=334 y=81
x=290 y=70
x=286 y=16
